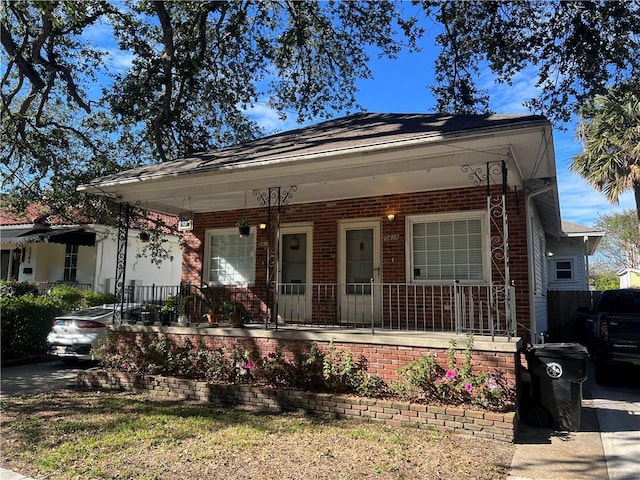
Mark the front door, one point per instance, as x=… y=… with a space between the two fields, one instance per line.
x=359 y=266
x=295 y=291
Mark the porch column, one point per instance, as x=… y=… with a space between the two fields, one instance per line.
x=121 y=260
x=273 y=199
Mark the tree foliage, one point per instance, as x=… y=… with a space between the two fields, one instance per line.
x=620 y=246
x=192 y=72
x=610 y=132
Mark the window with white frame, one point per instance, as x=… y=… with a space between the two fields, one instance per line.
x=563 y=269
x=448 y=247
x=70 y=263
x=229 y=258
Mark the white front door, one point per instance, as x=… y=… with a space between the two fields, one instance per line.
x=359 y=265
x=295 y=291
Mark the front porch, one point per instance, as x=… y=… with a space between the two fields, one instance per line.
x=415 y=321
x=372 y=308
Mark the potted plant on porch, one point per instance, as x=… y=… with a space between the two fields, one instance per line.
x=235 y=313
x=168 y=311
x=148 y=314
x=243 y=227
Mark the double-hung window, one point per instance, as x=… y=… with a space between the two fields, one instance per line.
x=229 y=258
x=448 y=247
x=564 y=269
x=70 y=263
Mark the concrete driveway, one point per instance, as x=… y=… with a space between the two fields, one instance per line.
x=618 y=411
x=607 y=447
x=38 y=377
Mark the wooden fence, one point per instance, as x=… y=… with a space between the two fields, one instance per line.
x=562 y=313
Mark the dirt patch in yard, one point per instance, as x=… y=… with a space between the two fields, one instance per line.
x=78 y=434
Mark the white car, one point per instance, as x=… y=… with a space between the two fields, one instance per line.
x=75 y=334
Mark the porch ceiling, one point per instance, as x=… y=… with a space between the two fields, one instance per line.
x=331 y=161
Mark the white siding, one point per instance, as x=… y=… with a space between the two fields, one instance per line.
x=538 y=277
x=567 y=251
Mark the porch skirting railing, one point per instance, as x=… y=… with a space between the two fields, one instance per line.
x=486 y=310
x=45 y=287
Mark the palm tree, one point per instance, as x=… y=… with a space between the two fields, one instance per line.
x=610 y=133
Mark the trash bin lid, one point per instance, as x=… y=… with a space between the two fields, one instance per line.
x=560 y=350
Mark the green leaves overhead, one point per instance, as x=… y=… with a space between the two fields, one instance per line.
x=94 y=87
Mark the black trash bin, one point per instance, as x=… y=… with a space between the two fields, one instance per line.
x=557 y=372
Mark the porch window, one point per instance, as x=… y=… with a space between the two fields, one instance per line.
x=70 y=263
x=564 y=269
x=447 y=247
x=230 y=259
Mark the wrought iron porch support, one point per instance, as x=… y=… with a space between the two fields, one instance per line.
x=274 y=199
x=121 y=260
x=496 y=175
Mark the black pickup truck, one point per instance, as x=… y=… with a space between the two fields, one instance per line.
x=613 y=330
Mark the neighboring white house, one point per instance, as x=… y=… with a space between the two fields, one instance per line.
x=568 y=256
x=82 y=255
x=629 y=278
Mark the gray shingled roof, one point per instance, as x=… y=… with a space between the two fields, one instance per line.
x=571 y=229
x=360 y=130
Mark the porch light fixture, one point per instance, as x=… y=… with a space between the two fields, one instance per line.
x=262 y=226
x=391 y=217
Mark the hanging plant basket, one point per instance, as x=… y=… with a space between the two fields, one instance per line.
x=243 y=227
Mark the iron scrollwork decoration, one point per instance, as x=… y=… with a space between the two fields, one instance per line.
x=495 y=174
x=273 y=199
x=121 y=260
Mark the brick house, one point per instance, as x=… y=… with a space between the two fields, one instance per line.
x=389 y=233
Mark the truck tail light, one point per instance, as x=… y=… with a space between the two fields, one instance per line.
x=604 y=331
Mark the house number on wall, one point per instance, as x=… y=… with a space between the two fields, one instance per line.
x=389 y=238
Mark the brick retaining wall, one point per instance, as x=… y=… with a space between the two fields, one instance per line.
x=458 y=420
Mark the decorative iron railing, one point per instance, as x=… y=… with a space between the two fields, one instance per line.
x=486 y=310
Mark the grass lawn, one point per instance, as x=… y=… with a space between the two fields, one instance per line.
x=72 y=434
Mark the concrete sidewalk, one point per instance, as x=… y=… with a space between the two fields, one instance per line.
x=9 y=475
x=544 y=454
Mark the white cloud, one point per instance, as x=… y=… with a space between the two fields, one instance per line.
x=269 y=120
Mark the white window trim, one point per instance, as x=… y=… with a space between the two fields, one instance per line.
x=206 y=261
x=555 y=262
x=450 y=216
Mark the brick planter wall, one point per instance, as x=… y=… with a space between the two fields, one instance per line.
x=458 y=420
x=385 y=354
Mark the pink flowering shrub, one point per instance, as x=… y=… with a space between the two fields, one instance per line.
x=426 y=381
x=335 y=371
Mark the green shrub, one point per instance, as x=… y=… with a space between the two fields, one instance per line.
x=13 y=288
x=67 y=295
x=26 y=321
x=426 y=381
x=91 y=299
x=335 y=371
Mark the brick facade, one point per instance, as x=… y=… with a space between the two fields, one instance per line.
x=324 y=218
